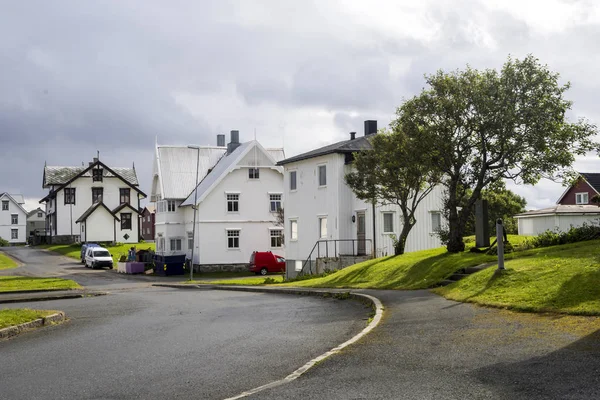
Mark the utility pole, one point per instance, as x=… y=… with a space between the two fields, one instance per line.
x=195 y=207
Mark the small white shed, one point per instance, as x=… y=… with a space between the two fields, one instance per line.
x=557 y=218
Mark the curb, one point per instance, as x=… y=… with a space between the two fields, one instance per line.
x=51 y=297
x=11 y=331
x=372 y=300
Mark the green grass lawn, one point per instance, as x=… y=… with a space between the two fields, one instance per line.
x=74 y=250
x=563 y=279
x=6 y=262
x=10 y=317
x=20 y=283
x=247 y=281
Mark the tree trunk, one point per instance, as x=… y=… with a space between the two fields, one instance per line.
x=455 y=227
x=401 y=244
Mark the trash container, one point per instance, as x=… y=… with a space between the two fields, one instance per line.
x=169 y=265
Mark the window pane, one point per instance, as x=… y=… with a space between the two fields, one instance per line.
x=323 y=228
x=293 y=229
x=276 y=238
x=293 y=180
x=436 y=221
x=322 y=175
x=233 y=240
x=388 y=222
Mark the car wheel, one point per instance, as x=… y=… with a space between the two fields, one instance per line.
x=93 y=266
x=263 y=271
x=111 y=267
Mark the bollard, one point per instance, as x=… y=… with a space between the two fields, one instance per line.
x=500 y=243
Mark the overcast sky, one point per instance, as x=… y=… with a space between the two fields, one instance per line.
x=78 y=76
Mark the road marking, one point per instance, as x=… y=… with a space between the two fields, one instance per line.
x=297 y=373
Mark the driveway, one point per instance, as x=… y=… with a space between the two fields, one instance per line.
x=168 y=343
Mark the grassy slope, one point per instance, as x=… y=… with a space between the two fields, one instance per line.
x=248 y=281
x=74 y=250
x=563 y=279
x=6 y=262
x=19 y=283
x=10 y=317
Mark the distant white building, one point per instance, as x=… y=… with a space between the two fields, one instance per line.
x=13 y=218
x=239 y=191
x=96 y=203
x=321 y=207
x=36 y=222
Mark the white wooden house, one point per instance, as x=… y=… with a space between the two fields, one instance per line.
x=239 y=190
x=13 y=218
x=321 y=207
x=36 y=222
x=96 y=203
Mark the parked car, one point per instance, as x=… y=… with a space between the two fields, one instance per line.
x=98 y=257
x=84 y=248
x=263 y=262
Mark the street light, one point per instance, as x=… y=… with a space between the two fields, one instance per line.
x=195 y=207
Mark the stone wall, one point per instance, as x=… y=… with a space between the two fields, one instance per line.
x=336 y=263
x=221 y=268
x=64 y=239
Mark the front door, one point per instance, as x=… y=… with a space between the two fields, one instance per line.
x=360 y=233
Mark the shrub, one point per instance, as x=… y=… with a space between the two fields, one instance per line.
x=574 y=234
x=3 y=242
x=269 y=281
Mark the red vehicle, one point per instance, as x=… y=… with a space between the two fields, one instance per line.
x=263 y=262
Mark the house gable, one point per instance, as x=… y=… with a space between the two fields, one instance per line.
x=6 y=196
x=569 y=197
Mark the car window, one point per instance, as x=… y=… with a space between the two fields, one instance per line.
x=101 y=253
x=280 y=259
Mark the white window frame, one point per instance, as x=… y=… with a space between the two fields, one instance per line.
x=233 y=233
x=235 y=201
x=439 y=214
x=293 y=233
x=5 y=203
x=295 y=180
x=391 y=215
x=177 y=240
x=171 y=206
x=14 y=219
x=579 y=198
x=298 y=265
x=40 y=214
x=14 y=234
x=277 y=235
x=253 y=173
x=324 y=166
x=273 y=201
x=323 y=227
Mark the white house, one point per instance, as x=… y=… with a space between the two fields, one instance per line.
x=36 y=222
x=92 y=204
x=325 y=219
x=13 y=218
x=558 y=218
x=239 y=191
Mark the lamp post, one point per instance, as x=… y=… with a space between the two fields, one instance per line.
x=195 y=207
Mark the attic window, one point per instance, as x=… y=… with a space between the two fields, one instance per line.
x=4 y=205
x=253 y=173
x=97 y=175
x=581 y=198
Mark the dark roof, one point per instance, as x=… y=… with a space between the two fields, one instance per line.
x=60 y=175
x=93 y=208
x=124 y=205
x=346 y=146
x=593 y=179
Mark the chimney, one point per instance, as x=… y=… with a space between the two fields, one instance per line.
x=234 y=142
x=352 y=135
x=221 y=140
x=95 y=159
x=370 y=127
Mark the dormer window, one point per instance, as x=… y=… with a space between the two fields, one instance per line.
x=253 y=173
x=581 y=198
x=97 y=175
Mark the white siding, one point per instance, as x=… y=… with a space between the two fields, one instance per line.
x=532 y=226
x=6 y=225
x=100 y=226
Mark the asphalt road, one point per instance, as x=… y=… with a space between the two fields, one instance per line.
x=167 y=343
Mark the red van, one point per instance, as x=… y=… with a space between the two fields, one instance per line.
x=263 y=262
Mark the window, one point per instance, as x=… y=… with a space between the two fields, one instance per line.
x=4 y=205
x=581 y=198
x=292 y=180
x=124 y=195
x=69 y=196
x=97 y=175
x=14 y=233
x=233 y=239
x=171 y=206
x=97 y=195
x=190 y=240
x=160 y=244
x=233 y=201
x=298 y=265
x=253 y=173
x=276 y=237
x=14 y=219
x=125 y=220
x=293 y=229
x=322 y=175
x=275 y=202
x=388 y=222
x=323 y=227
x=175 y=244
x=436 y=221
x=40 y=215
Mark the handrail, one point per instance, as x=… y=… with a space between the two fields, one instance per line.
x=335 y=241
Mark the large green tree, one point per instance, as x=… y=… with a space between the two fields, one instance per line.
x=479 y=127
x=393 y=172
